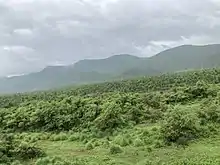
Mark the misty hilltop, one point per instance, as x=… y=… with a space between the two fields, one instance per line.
x=115 y=68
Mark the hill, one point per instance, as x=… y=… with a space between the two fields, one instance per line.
x=114 y=65
x=186 y=57
x=117 y=67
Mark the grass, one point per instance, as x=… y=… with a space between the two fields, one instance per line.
x=140 y=145
x=204 y=150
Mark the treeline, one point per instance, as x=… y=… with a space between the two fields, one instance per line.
x=105 y=112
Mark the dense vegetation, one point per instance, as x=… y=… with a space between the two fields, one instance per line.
x=115 y=68
x=153 y=120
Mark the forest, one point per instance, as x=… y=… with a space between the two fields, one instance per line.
x=158 y=120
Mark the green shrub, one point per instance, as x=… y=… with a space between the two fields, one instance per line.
x=11 y=149
x=33 y=139
x=182 y=141
x=138 y=142
x=56 y=138
x=96 y=144
x=59 y=161
x=210 y=114
x=199 y=90
x=16 y=163
x=5 y=159
x=115 y=149
x=44 y=136
x=59 y=137
x=63 y=136
x=145 y=162
x=154 y=129
x=43 y=161
x=73 y=138
x=82 y=137
x=149 y=149
x=27 y=151
x=181 y=122
x=106 y=143
x=122 y=141
x=111 y=118
x=159 y=144
x=89 y=146
x=85 y=141
x=145 y=133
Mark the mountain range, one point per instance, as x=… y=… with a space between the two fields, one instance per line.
x=116 y=67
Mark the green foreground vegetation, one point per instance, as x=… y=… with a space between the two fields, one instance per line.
x=167 y=119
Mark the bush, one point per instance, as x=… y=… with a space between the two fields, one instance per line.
x=145 y=162
x=158 y=144
x=181 y=122
x=210 y=114
x=122 y=141
x=145 y=133
x=73 y=138
x=111 y=118
x=89 y=146
x=149 y=149
x=60 y=137
x=16 y=163
x=82 y=137
x=33 y=139
x=11 y=150
x=59 y=161
x=96 y=143
x=44 y=136
x=106 y=143
x=115 y=149
x=27 y=151
x=138 y=142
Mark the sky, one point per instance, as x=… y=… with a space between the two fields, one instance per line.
x=38 y=33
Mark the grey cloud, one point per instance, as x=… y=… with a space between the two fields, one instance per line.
x=25 y=32
x=64 y=31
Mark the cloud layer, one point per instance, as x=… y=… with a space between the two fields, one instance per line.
x=37 y=33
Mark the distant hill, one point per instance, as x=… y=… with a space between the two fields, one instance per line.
x=116 y=67
x=49 y=79
x=114 y=64
x=185 y=57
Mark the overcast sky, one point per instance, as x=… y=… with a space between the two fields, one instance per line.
x=37 y=33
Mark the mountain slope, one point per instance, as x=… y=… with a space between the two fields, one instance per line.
x=185 y=57
x=115 y=67
x=45 y=80
x=114 y=64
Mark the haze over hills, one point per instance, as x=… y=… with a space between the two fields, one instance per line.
x=115 y=67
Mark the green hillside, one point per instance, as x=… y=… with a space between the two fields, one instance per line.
x=167 y=119
x=117 y=67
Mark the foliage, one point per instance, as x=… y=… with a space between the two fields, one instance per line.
x=138 y=142
x=58 y=161
x=122 y=141
x=89 y=146
x=115 y=149
x=181 y=122
x=132 y=117
x=10 y=149
x=210 y=113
